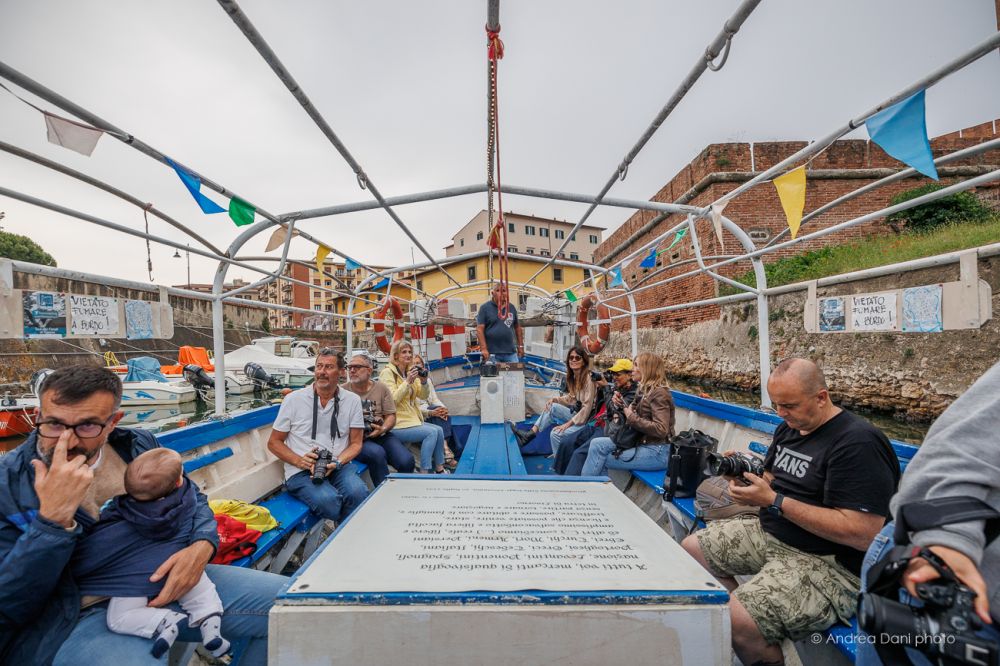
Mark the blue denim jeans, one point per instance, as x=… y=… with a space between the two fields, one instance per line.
x=431 y=439
x=504 y=358
x=380 y=452
x=866 y=654
x=555 y=414
x=333 y=499
x=645 y=457
x=247 y=596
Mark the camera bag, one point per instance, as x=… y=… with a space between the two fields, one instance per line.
x=623 y=435
x=688 y=455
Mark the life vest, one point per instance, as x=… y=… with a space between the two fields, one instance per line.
x=378 y=319
x=593 y=343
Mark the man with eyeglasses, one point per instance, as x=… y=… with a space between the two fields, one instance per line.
x=380 y=447
x=321 y=417
x=53 y=486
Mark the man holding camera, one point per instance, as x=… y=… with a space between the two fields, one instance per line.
x=317 y=433
x=617 y=379
x=380 y=447
x=829 y=476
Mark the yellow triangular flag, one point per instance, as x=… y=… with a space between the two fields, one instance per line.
x=321 y=253
x=717 y=209
x=792 y=192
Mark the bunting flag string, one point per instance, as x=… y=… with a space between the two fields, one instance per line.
x=241 y=212
x=650 y=260
x=193 y=185
x=350 y=264
x=677 y=239
x=901 y=131
x=570 y=296
x=617 y=280
x=384 y=282
x=792 y=193
x=70 y=134
x=321 y=252
x=717 y=209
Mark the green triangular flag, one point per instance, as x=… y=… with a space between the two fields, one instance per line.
x=677 y=239
x=241 y=212
x=570 y=296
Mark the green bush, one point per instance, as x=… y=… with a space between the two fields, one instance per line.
x=265 y=324
x=958 y=207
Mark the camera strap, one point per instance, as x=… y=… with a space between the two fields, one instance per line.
x=334 y=426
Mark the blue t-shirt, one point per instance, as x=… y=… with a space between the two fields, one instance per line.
x=500 y=337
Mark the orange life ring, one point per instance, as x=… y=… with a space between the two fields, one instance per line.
x=378 y=320
x=593 y=343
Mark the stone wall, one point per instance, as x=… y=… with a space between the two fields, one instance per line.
x=913 y=375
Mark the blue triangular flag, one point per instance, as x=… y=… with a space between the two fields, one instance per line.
x=649 y=261
x=901 y=131
x=350 y=264
x=384 y=282
x=193 y=185
x=616 y=280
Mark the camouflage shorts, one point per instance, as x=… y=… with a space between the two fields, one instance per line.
x=792 y=594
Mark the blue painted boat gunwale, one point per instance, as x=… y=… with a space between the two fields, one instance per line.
x=191 y=437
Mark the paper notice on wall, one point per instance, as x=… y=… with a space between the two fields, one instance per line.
x=93 y=315
x=138 y=320
x=44 y=314
x=922 y=309
x=874 y=312
x=831 y=315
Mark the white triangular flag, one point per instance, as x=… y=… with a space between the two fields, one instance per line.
x=717 y=209
x=278 y=238
x=70 y=134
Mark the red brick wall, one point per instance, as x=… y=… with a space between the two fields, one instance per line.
x=832 y=174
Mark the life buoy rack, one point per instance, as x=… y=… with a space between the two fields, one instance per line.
x=593 y=343
x=378 y=321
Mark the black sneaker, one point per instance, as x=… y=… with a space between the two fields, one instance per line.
x=522 y=436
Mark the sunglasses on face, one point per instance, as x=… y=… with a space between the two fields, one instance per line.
x=576 y=358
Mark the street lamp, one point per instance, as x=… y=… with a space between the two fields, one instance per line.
x=177 y=255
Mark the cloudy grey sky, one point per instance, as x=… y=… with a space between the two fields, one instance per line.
x=403 y=84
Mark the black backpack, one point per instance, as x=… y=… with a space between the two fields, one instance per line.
x=688 y=457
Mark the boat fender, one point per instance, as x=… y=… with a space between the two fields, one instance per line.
x=379 y=321
x=593 y=343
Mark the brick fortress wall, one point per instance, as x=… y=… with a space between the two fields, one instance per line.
x=720 y=168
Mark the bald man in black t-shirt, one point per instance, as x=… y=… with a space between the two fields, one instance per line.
x=825 y=495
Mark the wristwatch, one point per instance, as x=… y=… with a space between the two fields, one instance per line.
x=337 y=463
x=775 y=508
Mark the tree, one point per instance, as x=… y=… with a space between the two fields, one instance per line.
x=952 y=209
x=22 y=248
x=265 y=323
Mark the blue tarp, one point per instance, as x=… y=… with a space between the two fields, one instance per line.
x=144 y=369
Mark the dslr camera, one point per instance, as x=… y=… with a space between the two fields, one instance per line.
x=734 y=465
x=422 y=372
x=323 y=460
x=371 y=418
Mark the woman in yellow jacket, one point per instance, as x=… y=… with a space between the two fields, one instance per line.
x=401 y=377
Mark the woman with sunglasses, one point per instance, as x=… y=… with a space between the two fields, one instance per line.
x=652 y=415
x=569 y=412
x=402 y=377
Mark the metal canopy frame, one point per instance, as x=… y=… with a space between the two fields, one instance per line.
x=721 y=44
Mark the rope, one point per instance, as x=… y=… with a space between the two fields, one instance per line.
x=149 y=252
x=497 y=239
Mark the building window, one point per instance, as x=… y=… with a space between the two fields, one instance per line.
x=420 y=285
x=329 y=307
x=557 y=275
x=512 y=248
x=317 y=294
x=522 y=302
x=316 y=281
x=543 y=232
x=562 y=255
x=510 y=227
x=329 y=283
x=530 y=230
x=471 y=271
x=461 y=242
x=479 y=235
x=560 y=234
x=573 y=237
x=593 y=239
x=544 y=253
x=529 y=250
x=317 y=307
x=586 y=273
x=574 y=256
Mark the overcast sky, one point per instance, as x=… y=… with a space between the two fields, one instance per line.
x=403 y=84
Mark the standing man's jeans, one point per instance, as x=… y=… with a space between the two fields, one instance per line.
x=333 y=499
x=643 y=457
x=504 y=358
x=866 y=654
x=380 y=452
x=247 y=596
x=431 y=439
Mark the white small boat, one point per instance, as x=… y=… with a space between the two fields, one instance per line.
x=293 y=372
x=287 y=347
x=152 y=392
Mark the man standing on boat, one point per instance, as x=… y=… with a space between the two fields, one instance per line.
x=322 y=418
x=499 y=339
x=380 y=448
x=824 y=496
x=51 y=490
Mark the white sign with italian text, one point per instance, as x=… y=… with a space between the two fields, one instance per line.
x=874 y=312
